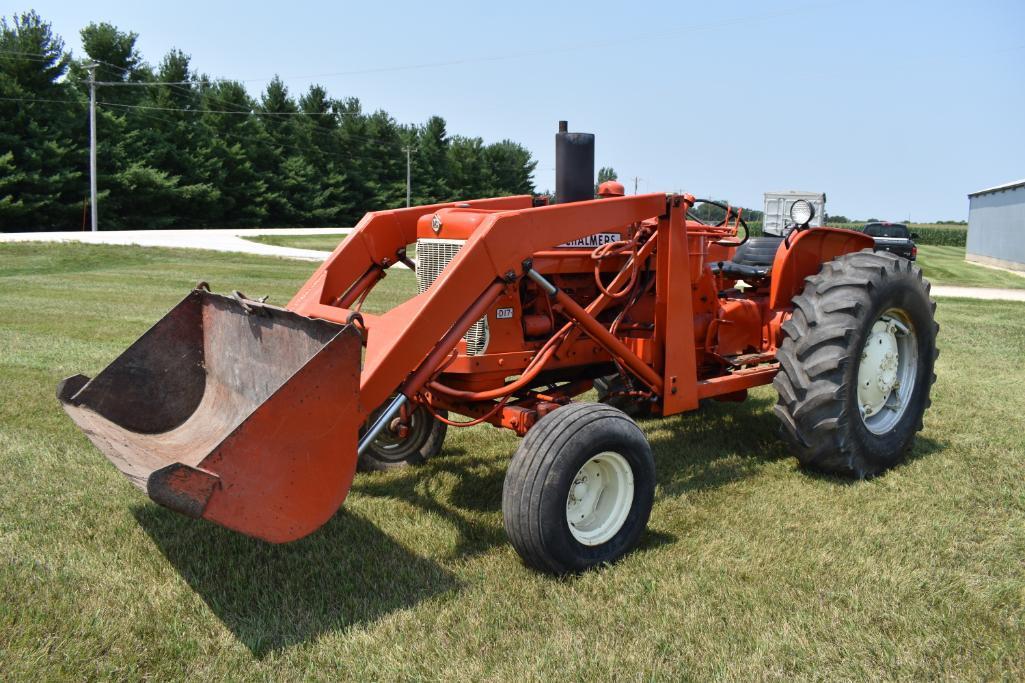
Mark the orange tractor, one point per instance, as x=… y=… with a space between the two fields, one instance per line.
x=255 y=417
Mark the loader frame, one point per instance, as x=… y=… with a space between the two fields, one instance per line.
x=245 y=414
x=407 y=346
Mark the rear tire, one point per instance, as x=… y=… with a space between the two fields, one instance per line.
x=579 y=490
x=856 y=364
x=424 y=441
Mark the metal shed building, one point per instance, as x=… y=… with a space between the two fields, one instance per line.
x=996 y=226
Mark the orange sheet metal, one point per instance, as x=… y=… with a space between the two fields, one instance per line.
x=377 y=237
x=242 y=415
x=808 y=250
x=400 y=339
x=674 y=313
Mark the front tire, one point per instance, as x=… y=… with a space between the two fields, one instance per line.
x=579 y=490
x=856 y=364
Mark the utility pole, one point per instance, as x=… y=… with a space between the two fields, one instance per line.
x=92 y=145
x=409 y=149
x=636 y=180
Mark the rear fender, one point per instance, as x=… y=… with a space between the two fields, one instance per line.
x=808 y=250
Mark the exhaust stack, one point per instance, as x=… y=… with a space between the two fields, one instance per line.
x=574 y=165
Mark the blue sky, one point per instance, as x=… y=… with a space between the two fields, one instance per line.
x=894 y=109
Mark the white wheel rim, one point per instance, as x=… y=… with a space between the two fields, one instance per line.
x=600 y=498
x=887 y=371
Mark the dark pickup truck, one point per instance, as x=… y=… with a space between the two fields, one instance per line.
x=894 y=238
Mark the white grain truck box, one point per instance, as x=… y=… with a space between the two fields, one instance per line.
x=777 y=209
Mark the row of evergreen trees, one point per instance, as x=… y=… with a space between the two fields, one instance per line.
x=198 y=153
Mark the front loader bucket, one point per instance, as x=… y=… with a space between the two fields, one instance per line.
x=233 y=411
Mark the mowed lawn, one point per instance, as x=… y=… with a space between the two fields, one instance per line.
x=321 y=242
x=316 y=242
x=751 y=567
x=947 y=266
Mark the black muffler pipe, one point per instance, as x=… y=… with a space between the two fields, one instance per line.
x=574 y=165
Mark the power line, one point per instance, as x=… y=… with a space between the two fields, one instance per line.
x=182 y=86
x=274 y=143
x=30 y=56
x=144 y=84
x=251 y=112
x=177 y=85
x=344 y=134
x=33 y=55
x=40 y=99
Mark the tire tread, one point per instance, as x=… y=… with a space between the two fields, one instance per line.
x=816 y=352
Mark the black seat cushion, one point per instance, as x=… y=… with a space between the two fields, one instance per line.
x=757 y=251
x=752 y=259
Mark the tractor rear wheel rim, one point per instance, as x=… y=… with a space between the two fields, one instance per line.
x=888 y=371
x=599 y=499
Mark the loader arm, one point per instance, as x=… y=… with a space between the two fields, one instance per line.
x=399 y=340
x=373 y=246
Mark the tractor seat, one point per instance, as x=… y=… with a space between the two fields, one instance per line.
x=752 y=259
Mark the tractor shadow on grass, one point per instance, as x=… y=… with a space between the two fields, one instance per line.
x=465 y=490
x=723 y=442
x=710 y=447
x=471 y=504
x=924 y=446
x=692 y=451
x=720 y=443
x=717 y=444
x=350 y=572
x=272 y=596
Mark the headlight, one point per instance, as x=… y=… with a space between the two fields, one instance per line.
x=801 y=212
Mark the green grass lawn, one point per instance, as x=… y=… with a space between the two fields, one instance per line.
x=946 y=266
x=911 y=226
x=751 y=567
x=326 y=242
x=317 y=242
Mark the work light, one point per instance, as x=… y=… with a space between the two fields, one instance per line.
x=801 y=212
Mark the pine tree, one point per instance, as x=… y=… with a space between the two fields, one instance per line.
x=430 y=162
x=287 y=174
x=606 y=173
x=234 y=143
x=331 y=204
x=511 y=166
x=132 y=193
x=40 y=120
x=171 y=141
x=186 y=151
x=469 y=176
x=386 y=162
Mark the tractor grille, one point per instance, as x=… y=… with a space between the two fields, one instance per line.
x=432 y=255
